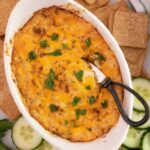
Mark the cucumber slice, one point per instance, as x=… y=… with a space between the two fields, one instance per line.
x=133 y=138
x=136 y=116
x=24 y=137
x=45 y=146
x=142 y=86
x=145 y=141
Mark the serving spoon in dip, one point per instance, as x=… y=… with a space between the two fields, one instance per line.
x=109 y=84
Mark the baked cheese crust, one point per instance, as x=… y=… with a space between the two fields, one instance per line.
x=56 y=83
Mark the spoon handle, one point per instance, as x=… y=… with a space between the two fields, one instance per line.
x=108 y=83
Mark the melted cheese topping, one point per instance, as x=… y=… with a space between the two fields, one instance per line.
x=94 y=113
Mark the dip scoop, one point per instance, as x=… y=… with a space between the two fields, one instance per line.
x=109 y=84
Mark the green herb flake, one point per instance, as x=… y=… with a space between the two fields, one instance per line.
x=104 y=104
x=52 y=75
x=49 y=82
x=65 y=45
x=54 y=37
x=66 y=122
x=100 y=56
x=32 y=55
x=88 y=42
x=92 y=100
x=44 y=44
x=83 y=112
x=53 y=108
x=88 y=87
x=57 y=52
x=79 y=75
x=79 y=112
x=75 y=101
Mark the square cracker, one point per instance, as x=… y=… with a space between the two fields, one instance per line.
x=130 y=29
x=136 y=68
x=6 y=7
x=112 y=14
x=6 y=101
x=104 y=12
x=132 y=54
x=94 y=6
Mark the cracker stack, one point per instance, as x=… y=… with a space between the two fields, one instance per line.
x=130 y=30
x=6 y=102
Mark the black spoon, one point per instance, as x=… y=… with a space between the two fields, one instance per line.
x=108 y=83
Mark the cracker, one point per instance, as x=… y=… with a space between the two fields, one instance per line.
x=130 y=29
x=6 y=7
x=6 y=102
x=136 y=67
x=94 y=6
x=112 y=14
x=104 y=12
x=132 y=54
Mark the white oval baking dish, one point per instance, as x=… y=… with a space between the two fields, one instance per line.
x=19 y=16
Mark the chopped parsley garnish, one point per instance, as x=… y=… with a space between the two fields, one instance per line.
x=79 y=75
x=100 y=56
x=54 y=37
x=49 y=82
x=83 y=112
x=32 y=55
x=44 y=44
x=75 y=101
x=104 y=103
x=66 y=122
x=92 y=100
x=57 y=52
x=53 y=108
x=65 y=45
x=80 y=112
x=88 y=87
x=88 y=42
x=52 y=75
x=77 y=111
